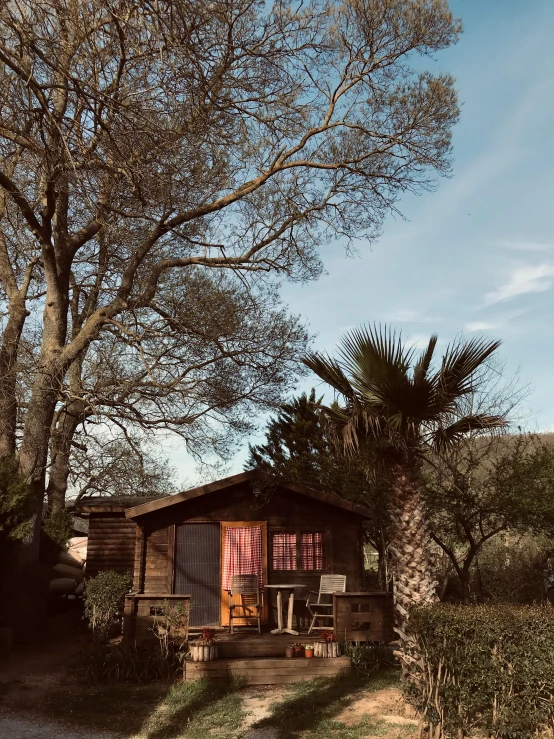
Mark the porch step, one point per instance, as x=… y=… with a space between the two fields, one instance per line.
x=272 y=671
x=251 y=645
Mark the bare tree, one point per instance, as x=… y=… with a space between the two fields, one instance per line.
x=145 y=139
x=116 y=465
x=203 y=367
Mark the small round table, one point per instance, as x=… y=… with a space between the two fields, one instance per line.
x=279 y=588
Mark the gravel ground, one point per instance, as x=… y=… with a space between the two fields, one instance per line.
x=29 y=728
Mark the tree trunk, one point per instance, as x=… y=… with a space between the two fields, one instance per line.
x=466 y=590
x=414 y=583
x=33 y=454
x=60 y=449
x=8 y=376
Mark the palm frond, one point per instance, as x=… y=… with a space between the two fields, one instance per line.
x=459 y=365
x=444 y=437
x=377 y=351
x=329 y=370
x=422 y=365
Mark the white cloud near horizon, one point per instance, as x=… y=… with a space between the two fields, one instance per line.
x=524 y=279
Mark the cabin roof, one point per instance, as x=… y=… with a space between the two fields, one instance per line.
x=109 y=504
x=227 y=482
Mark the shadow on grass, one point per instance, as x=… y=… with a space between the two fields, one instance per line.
x=196 y=710
x=121 y=707
x=158 y=711
x=312 y=706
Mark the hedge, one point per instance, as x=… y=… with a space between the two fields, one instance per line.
x=485 y=668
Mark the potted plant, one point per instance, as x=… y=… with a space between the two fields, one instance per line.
x=309 y=651
x=205 y=648
x=289 y=651
x=298 y=649
x=328 y=645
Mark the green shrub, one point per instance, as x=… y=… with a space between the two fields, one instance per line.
x=17 y=503
x=114 y=663
x=368 y=658
x=489 y=668
x=511 y=569
x=59 y=527
x=104 y=601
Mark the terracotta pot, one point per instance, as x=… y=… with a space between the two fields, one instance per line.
x=298 y=649
x=289 y=652
x=309 y=653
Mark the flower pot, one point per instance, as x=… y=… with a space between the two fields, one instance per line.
x=203 y=652
x=298 y=649
x=309 y=653
x=289 y=652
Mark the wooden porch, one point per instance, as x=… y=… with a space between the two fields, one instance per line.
x=267 y=670
x=246 y=644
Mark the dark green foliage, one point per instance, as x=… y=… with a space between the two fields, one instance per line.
x=104 y=601
x=17 y=505
x=368 y=658
x=114 y=663
x=56 y=532
x=301 y=447
x=485 y=668
x=511 y=570
x=486 y=486
x=297 y=447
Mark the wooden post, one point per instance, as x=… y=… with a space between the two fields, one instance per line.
x=291 y=609
x=279 y=610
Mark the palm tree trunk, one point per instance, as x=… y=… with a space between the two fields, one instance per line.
x=414 y=583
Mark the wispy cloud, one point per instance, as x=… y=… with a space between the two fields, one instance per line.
x=524 y=279
x=409 y=316
x=480 y=326
x=533 y=246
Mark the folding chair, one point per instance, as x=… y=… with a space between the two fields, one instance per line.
x=248 y=587
x=320 y=609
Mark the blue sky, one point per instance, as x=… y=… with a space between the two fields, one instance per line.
x=478 y=253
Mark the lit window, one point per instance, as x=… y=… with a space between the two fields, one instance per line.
x=284 y=551
x=298 y=550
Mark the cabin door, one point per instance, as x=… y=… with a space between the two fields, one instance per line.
x=197 y=563
x=243 y=552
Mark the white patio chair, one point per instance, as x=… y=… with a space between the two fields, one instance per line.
x=322 y=609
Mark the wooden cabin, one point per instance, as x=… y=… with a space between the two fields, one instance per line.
x=289 y=533
x=181 y=545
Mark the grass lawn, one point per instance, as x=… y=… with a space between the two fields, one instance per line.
x=202 y=709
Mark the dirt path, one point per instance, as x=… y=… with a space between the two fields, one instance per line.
x=37 y=728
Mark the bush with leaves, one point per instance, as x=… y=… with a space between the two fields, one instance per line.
x=17 y=505
x=484 y=668
x=104 y=601
x=510 y=569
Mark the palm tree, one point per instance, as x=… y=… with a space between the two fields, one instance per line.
x=408 y=408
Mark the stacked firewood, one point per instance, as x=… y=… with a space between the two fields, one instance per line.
x=69 y=571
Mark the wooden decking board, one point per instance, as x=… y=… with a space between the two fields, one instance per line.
x=270 y=671
x=248 y=644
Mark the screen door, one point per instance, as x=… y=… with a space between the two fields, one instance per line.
x=197 y=570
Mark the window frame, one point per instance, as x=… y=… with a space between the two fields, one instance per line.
x=298 y=531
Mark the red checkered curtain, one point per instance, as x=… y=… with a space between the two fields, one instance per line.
x=283 y=551
x=242 y=553
x=311 y=550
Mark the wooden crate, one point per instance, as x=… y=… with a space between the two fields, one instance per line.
x=364 y=616
x=271 y=671
x=139 y=615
